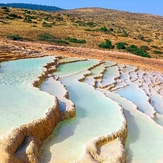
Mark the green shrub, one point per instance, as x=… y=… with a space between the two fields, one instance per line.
x=91 y=24
x=51 y=38
x=15 y=37
x=6 y=9
x=27 y=11
x=28 y=19
x=46 y=18
x=137 y=51
x=74 y=40
x=107 y=44
x=13 y=16
x=157 y=52
x=103 y=29
x=44 y=24
x=46 y=37
x=59 y=17
x=111 y=29
x=121 y=45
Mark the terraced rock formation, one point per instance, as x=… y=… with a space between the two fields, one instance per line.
x=118 y=108
x=139 y=88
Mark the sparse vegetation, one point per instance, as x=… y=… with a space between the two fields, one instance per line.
x=103 y=29
x=124 y=33
x=111 y=29
x=141 y=37
x=45 y=24
x=148 y=40
x=27 y=11
x=6 y=9
x=15 y=37
x=144 y=48
x=121 y=45
x=157 y=52
x=59 y=17
x=107 y=44
x=137 y=51
x=92 y=26
x=51 y=38
x=74 y=40
x=28 y=19
x=155 y=47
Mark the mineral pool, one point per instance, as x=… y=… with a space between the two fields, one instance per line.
x=100 y=91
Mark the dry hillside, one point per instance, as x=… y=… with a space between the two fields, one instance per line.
x=87 y=27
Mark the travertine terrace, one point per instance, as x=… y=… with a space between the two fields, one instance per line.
x=110 y=102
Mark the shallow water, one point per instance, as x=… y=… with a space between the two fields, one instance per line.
x=97 y=70
x=94 y=111
x=138 y=97
x=24 y=71
x=145 y=137
x=74 y=67
x=96 y=114
x=70 y=59
x=20 y=102
x=110 y=75
x=70 y=136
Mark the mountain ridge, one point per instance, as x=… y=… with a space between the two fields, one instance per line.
x=31 y=6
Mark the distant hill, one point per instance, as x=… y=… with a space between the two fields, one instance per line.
x=86 y=27
x=31 y=6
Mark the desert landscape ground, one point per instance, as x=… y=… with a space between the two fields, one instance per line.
x=80 y=86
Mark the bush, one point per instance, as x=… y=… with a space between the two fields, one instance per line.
x=137 y=51
x=46 y=37
x=46 y=18
x=74 y=40
x=4 y=8
x=44 y=24
x=28 y=19
x=59 y=18
x=27 y=12
x=51 y=38
x=111 y=29
x=107 y=45
x=103 y=29
x=13 y=16
x=15 y=37
x=121 y=45
x=157 y=52
x=91 y=24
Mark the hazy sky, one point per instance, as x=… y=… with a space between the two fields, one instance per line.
x=141 y=6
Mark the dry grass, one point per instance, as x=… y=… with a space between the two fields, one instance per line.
x=141 y=29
